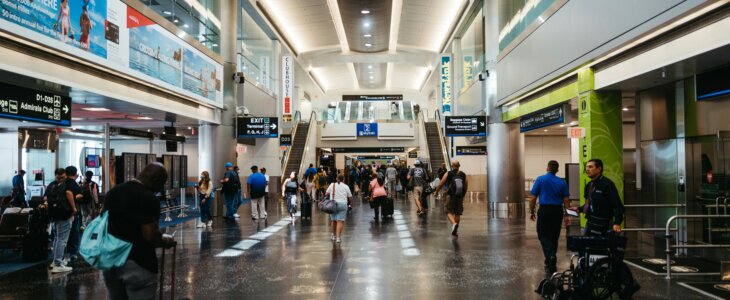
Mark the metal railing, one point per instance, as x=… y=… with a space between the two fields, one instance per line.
x=312 y=122
x=717 y=212
x=285 y=158
x=641 y=229
x=442 y=139
x=668 y=236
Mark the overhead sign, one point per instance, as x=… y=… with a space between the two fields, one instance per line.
x=368 y=150
x=413 y=154
x=372 y=97
x=576 y=132
x=172 y=138
x=32 y=105
x=287 y=72
x=466 y=126
x=135 y=133
x=285 y=140
x=254 y=127
x=367 y=129
x=114 y=36
x=543 y=118
x=471 y=150
x=446 y=84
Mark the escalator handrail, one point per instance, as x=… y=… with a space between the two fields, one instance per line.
x=442 y=139
x=285 y=159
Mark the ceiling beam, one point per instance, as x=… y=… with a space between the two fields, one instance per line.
x=420 y=59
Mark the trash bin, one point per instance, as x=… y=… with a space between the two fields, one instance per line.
x=218 y=203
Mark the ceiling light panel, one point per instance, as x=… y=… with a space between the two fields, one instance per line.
x=371 y=75
x=306 y=24
x=426 y=24
x=376 y=24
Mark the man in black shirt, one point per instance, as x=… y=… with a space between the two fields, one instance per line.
x=134 y=213
x=61 y=209
x=603 y=208
x=74 y=238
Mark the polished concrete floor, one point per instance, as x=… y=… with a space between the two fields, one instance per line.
x=408 y=257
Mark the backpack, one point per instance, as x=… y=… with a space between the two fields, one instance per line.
x=58 y=206
x=321 y=180
x=100 y=249
x=456 y=184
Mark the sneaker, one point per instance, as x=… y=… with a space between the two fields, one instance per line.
x=210 y=224
x=338 y=240
x=454 y=229
x=332 y=237
x=61 y=269
x=236 y=216
x=201 y=225
x=254 y=218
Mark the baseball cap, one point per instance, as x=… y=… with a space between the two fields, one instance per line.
x=229 y=165
x=417 y=162
x=254 y=167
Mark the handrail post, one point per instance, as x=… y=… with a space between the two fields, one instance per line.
x=668 y=251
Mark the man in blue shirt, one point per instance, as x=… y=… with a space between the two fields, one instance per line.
x=19 y=189
x=231 y=186
x=256 y=186
x=311 y=170
x=553 y=194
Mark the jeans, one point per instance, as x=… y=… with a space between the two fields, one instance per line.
x=258 y=208
x=130 y=281
x=205 y=209
x=549 y=224
x=230 y=205
x=238 y=201
x=74 y=238
x=63 y=228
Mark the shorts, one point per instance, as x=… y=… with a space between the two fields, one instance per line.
x=455 y=205
x=341 y=212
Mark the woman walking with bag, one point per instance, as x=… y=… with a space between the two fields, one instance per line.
x=339 y=192
x=290 y=188
x=378 y=195
x=206 y=198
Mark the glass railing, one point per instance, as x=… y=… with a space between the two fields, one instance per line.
x=198 y=18
x=368 y=112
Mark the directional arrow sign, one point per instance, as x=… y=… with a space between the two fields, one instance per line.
x=256 y=127
x=466 y=126
x=22 y=103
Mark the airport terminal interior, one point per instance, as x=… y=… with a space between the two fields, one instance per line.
x=364 y=149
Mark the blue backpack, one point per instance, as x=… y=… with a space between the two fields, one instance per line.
x=101 y=249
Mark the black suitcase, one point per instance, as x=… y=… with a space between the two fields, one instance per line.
x=306 y=206
x=388 y=207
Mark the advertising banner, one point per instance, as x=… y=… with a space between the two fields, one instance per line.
x=287 y=72
x=446 y=84
x=113 y=35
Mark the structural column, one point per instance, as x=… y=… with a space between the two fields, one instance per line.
x=600 y=114
x=217 y=143
x=505 y=143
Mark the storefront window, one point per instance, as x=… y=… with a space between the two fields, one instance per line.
x=198 y=18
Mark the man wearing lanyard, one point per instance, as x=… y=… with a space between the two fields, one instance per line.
x=553 y=194
x=603 y=207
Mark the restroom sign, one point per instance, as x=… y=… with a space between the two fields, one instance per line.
x=576 y=132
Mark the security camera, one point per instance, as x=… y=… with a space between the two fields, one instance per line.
x=242 y=111
x=238 y=78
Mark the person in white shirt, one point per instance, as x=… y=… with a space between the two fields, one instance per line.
x=266 y=196
x=391 y=174
x=341 y=194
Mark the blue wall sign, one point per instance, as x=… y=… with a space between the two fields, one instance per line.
x=367 y=129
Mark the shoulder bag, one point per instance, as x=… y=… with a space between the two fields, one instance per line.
x=329 y=206
x=100 y=249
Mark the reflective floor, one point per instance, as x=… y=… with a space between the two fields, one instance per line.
x=408 y=257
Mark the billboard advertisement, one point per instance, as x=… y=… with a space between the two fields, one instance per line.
x=113 y=35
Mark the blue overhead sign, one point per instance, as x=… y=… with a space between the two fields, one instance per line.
x=367 y=129
x=26 y=104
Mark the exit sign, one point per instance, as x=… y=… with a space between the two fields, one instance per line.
x=576 y=132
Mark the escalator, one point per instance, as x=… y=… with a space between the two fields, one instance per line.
x=296 y=152
x=435 y=148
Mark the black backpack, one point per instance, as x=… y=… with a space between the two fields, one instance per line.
x=322 y=180
x=58 y=206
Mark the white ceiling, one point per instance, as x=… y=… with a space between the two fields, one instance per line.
x=318 y=35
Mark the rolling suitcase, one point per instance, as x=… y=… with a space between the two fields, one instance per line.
x=306 y=206
x=388 y=207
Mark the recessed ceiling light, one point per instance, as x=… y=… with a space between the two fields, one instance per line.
x=167 y=12
x=371 y=77
x=366 y=24
x=215 y=45
x=365 y=11
x=625 y=109
x=370 y=66
x=148 y=130
x=175 y=20
x=95 y=109
x=190 y=127
x=562 y=125
x=573 y=123
x=368 y=45
x=367 y=35
x=545 y=130
x=185 y=25
x=143 y=118
x=76 y=119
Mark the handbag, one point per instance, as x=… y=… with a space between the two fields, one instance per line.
x=100 y=249
x=329 y=206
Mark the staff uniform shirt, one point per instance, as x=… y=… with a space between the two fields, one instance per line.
x=257 y=182
x=131 y=205
x=550 y=189
x=602 y=200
